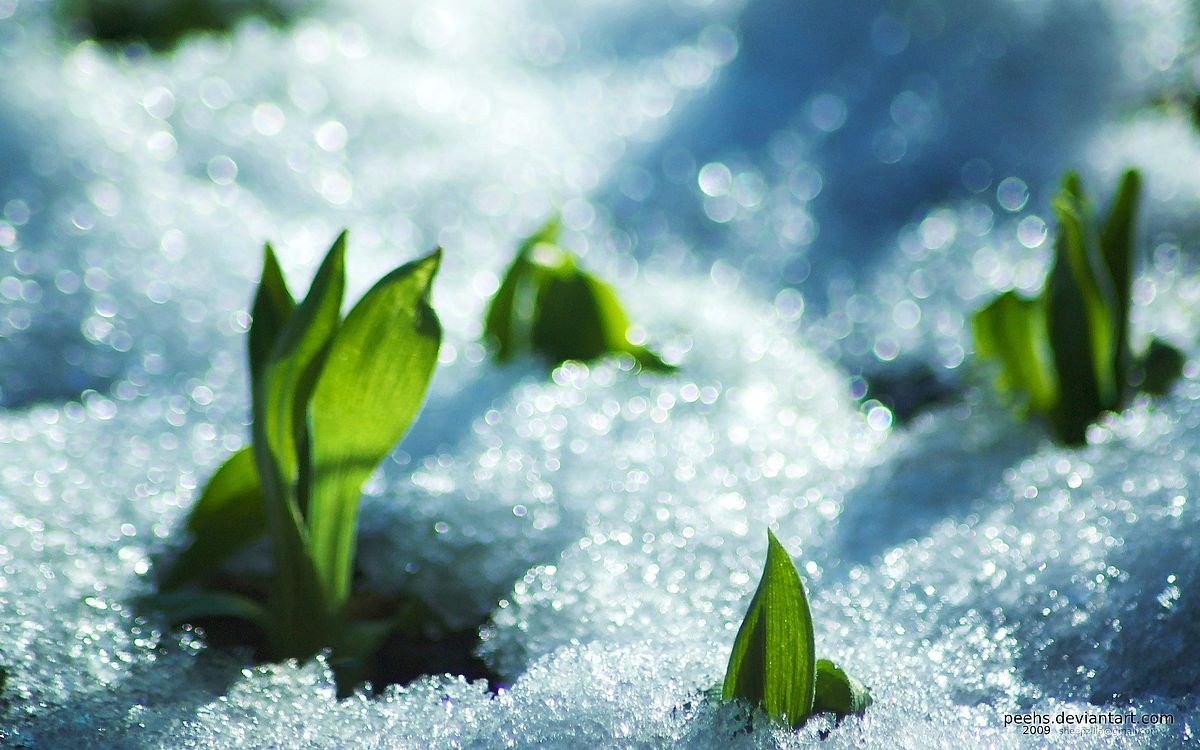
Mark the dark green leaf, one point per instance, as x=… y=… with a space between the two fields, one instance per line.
x=773 y=664
x=548 y=305
x=1012 y=330
x=510 y=314
x=189 y=605
x=569 y=322
x=1117 y=239
x=580 y=318
x=838 y=692
x=1082 y=332
x=1161 y=367
x=369 y=391
x=273 y=305
x=229 y=515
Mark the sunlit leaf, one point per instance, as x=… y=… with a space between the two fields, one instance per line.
x=837 y=692
x=549 y=306
x=295 y=361
x=773 y=665
x=299 y=601
x=369 y=390
x=228 y=516
x=1012 y=331
x=330 y=400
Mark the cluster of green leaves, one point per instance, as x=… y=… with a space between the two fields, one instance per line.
x=331 y=397
x=773 y=664
x=549 y=306
x=1067 y=350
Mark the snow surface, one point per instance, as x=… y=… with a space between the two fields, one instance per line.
x=786 y=195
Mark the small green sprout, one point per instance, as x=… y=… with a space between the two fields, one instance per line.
x=331 y=398
x=551 y=307
x=1067 y=351
x=773 y=664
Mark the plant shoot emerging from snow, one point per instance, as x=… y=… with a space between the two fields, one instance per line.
x=773 y=665
x=1067 y=351
x=331 y=398
x=549 y=306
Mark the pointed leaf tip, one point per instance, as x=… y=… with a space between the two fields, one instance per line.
x=772 y=664
x=272 y=306
x=428 y=267
x=546 y=233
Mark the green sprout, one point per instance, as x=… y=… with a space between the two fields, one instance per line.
x=773 y=664
x=1067 y=350
x=331 y=398
x=551 y=307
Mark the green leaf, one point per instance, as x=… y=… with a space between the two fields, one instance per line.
x=773 y=663
x=1117 y=239
x=580 y=318
x=228 y=516
x=838 y=692
x=189 y=605
x=273 y=305
x=302 y=618
x=295 y=361
x=508 y=321
x=1083 y=311
x=569 y=322
x=369 y=391
x=1081 y=325
x=548 y=305
x=1162 y=366
x=1012 y=330
x=615 y=324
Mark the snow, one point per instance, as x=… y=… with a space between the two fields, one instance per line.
x=745 y=189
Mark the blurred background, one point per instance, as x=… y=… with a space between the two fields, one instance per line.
x=148 y=148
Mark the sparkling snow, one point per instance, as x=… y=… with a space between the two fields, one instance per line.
x=788 y=196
